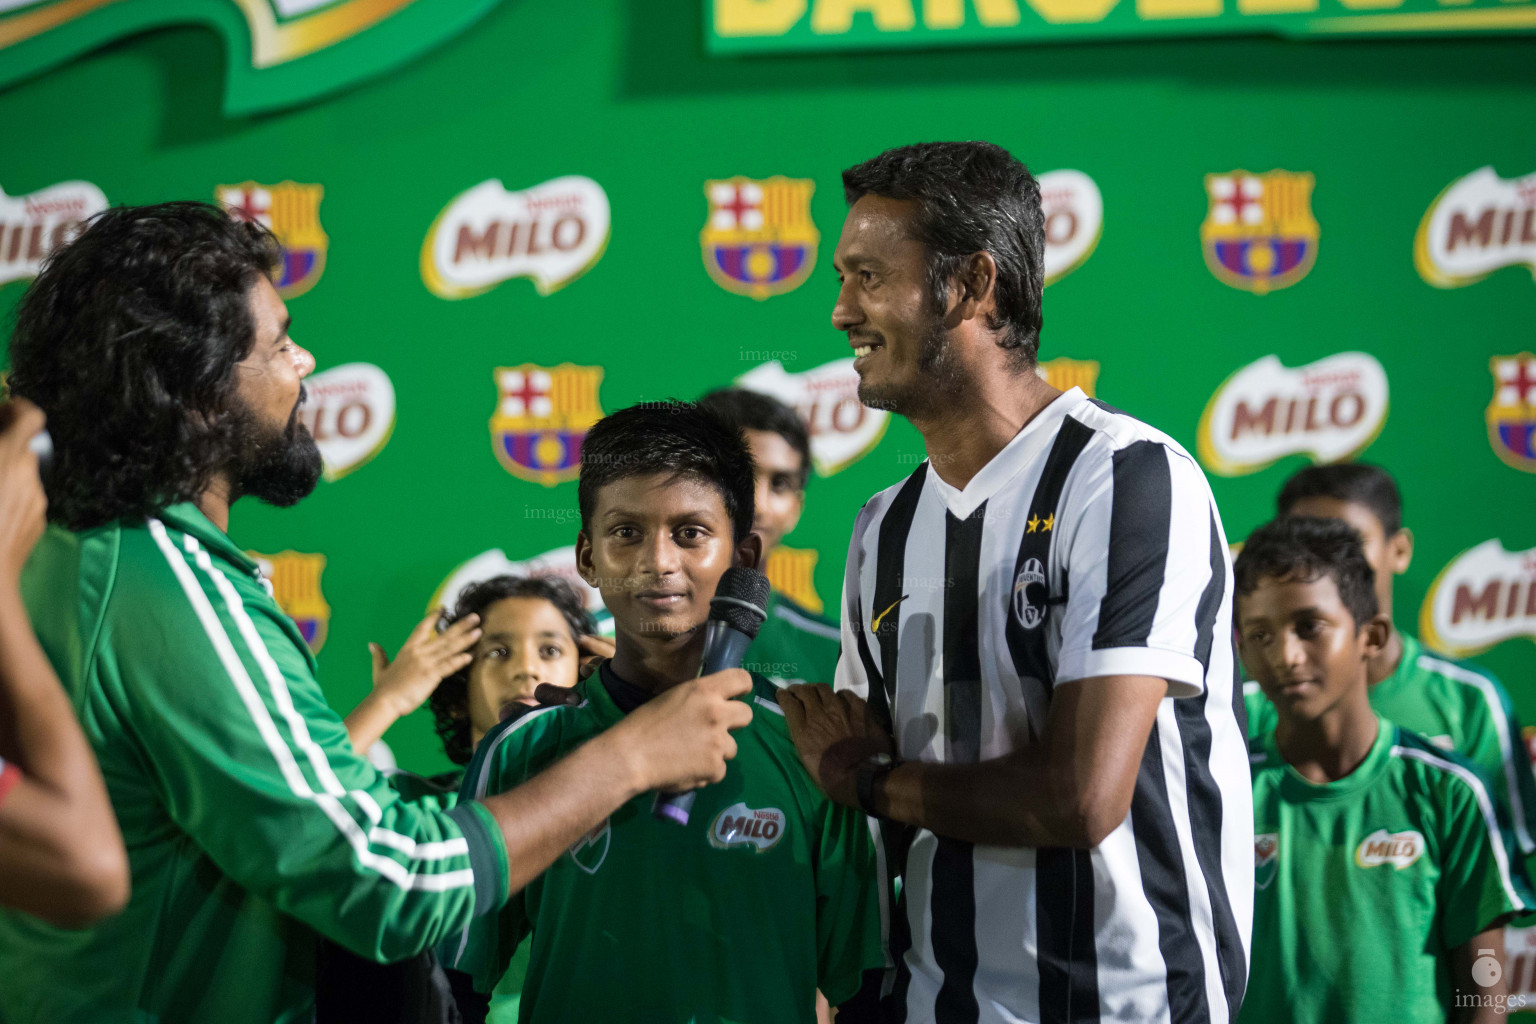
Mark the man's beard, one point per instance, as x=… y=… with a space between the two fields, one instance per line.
x=278 y=466
x=940 y=383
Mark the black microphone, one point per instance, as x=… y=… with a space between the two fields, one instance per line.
x=736 y=613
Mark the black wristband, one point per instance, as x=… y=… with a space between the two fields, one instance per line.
x=870 y=774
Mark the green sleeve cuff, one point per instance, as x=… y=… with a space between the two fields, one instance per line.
x=487 y=854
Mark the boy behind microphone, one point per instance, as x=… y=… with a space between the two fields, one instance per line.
x=768 y=893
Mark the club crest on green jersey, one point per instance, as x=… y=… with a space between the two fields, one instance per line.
x=1266 y=858
x=1399 y=849
x=589 y=852
x=740 y=825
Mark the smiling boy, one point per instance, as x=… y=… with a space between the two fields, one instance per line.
x=1381 y=875
x=767 y=894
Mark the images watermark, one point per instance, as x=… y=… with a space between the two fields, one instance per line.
x=1487 y=972
x=560 y=514
x=768 y=355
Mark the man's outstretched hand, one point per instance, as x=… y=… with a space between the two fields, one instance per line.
x=834 y=734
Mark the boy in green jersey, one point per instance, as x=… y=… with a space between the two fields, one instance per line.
x=1382 y=881
x=1457 y=706
x=795 y=645
x=768 y=894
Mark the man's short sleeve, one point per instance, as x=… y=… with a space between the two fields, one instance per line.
x=1145 y=568
x=1477 y=887
x=848 y=939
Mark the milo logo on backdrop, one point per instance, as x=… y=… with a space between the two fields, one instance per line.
x=1074 y=220
x=33 y=225
x=559 y=562
x=1478 y=224
x=1331 y=410
x=350 y=412
x=1486 y=595
x=843 y=430
x=552 y=233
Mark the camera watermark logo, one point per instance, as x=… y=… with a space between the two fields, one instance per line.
x=1488 y=972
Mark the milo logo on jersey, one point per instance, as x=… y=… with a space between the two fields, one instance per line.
x=740 y=825
x=1486 y=595
x=292 y=213
x=1511 y=415
x=1064 y=374
x=553 y=233
x=542 y=414
x=1074 y=220
x=350 y=412
x=1259 y=233
x=792 y=572
x=33 y=225
x=295 y=581
x=589 y=852
x=1266 y=858
x=1399 y=849
x=1331 y=410
x=758 y=238
x=843 y=430
x=559 y=562
x=1478 y=224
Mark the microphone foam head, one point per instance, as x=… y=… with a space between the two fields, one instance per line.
x=741 y=599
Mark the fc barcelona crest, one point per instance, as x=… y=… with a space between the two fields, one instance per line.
x=292 y=213
x=792 y=572
x=295 y=581
x=542 y=414
x=759 y=239
x=1512 y=413
x=1259 y=233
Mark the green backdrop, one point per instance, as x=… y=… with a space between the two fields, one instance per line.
x=621 y=91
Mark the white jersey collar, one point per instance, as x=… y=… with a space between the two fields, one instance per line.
x=1027 y=445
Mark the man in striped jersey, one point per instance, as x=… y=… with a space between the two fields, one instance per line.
x=160 y=351
x=1455 y=705
x=1037 y=673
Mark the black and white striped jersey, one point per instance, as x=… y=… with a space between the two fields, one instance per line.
x=1089 y=546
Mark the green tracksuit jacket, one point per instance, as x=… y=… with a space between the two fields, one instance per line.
x=251 y=825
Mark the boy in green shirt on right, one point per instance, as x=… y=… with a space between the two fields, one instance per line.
x=1455 y=705
x=1382 y=878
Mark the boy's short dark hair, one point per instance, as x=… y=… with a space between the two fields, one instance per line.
x=668 y=437
x=1305 y=549
x=1359 y=483
x=450 y=701
x=741 y=409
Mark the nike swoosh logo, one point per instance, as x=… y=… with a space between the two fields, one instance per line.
x=874 y=625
